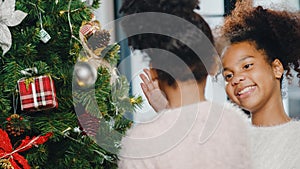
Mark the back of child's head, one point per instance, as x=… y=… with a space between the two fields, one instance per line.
x=277 y=33
x=177 y=48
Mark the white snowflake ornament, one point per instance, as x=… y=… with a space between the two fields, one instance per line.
x=8 y=17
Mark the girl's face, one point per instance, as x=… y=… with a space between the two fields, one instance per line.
x=251 y=80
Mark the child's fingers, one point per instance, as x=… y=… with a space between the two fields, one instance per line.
x=147 y=82
x=145 y=90
x=144 y=79
x=147 y=71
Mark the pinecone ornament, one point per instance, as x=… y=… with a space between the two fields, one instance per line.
x=89 y=124
x=15 y=125
x=98 y=41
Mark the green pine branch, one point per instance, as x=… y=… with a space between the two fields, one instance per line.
x=67 y=148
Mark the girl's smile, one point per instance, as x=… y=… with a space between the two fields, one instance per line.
x=245 y=92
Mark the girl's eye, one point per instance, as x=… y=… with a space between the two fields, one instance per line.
x=247 y=66
x=228 y=76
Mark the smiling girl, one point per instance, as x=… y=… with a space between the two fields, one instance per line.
x=253 y=83
x=263 y=45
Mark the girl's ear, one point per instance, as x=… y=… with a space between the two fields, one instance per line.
x=277 y=68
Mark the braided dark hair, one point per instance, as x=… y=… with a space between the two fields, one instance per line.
x=183 y=9
x=277 y=33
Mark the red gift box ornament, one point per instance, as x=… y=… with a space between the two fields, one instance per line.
x=88 y=29
x=37 y=93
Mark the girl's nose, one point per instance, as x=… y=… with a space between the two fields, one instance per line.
x=237 y=79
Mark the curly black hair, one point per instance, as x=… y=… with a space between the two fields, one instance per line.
x=277 y=33
x=185 y=10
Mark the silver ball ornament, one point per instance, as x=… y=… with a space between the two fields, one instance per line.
x=85 y=74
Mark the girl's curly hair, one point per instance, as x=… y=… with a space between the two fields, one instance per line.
x=277 y=33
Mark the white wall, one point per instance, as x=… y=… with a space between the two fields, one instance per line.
x=105 y=14
x=278 y=4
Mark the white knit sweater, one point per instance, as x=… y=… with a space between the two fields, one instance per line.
x=173 y=140
x=276 y=147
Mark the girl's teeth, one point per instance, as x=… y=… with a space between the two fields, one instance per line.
x=246 y=90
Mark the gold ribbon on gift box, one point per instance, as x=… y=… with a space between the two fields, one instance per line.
x=28 y=81
x=29 y=72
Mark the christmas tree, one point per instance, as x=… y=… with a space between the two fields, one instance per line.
x=62 y=101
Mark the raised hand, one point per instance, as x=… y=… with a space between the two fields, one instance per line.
x=154 y=95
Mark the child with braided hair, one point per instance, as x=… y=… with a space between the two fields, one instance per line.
x=263 y=45
x=176 y=138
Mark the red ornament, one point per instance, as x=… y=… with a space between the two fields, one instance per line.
x=37 y=93
x=7 y=151
x=88 y=29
